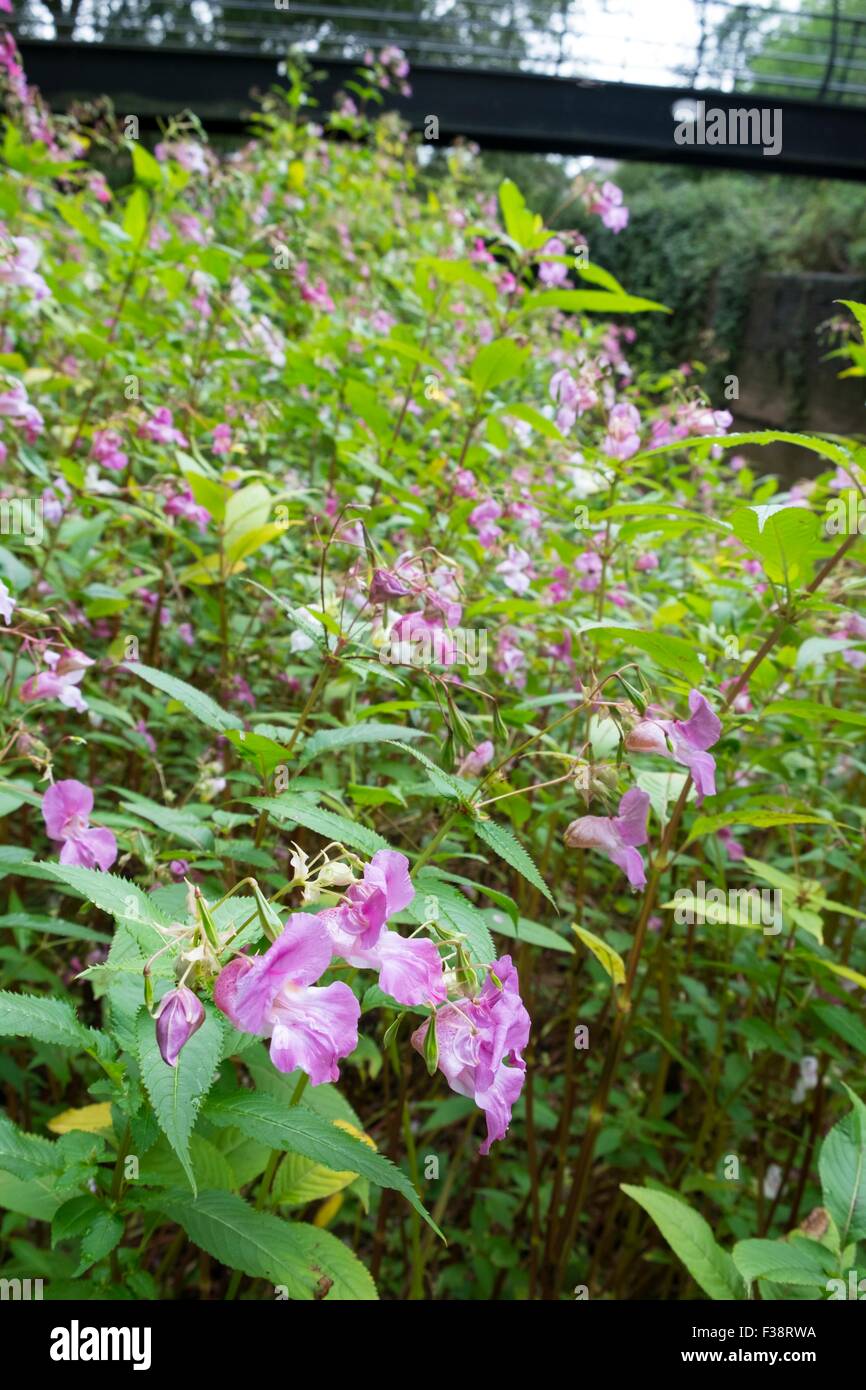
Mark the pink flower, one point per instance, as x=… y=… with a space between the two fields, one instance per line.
x=179 y=868
x=734 y=848
x=315 y=294
x=648 y=561
x=385 y=586
x=222 y=439
x=19 y=267
x=552 y=273
x=7 y=604
x=420 y=641
x=160 y=429
x=179 y=1014
x=184 y=505
x=66 y=808
x=618 y=836
x=475 y=762
x=609 y=206
x=105 y=448
x=480 y=1040
x=622 y=438
x=17 y=408
x=272 y=995
x=515 y=569
x=61 y=681
x=588 y=563
x=483 y=518
x=685 y=742
x=464 y=483
x=410 y=970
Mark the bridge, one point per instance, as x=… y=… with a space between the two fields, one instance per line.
x=573 y=77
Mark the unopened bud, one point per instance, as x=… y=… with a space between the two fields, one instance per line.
x=179 y=1014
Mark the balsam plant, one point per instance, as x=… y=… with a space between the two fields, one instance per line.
x=406 y=708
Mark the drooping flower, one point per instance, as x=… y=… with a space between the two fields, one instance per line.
x=183 y=504
x=480 y=1041
x=475 y=762
x=515 y=569
x=685 y=741
x=61 y=681
x=553 y=273
x=161 y=430
x=179 y=1014
x=105 y=449
x=483 y=518
x=588 y=563
x=66 y=808
x=622 y=438
x=410 y=969
x=273 y=995
x=617 y=837
x=222 y=439
x=386 y=585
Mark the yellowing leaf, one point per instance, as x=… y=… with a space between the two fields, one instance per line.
x=93 y=1119
x=609 y=960
x=328 y=1210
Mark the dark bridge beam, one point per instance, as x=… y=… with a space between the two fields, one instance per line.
x=498 y=109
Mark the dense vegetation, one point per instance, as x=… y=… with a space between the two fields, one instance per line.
x=432 y=777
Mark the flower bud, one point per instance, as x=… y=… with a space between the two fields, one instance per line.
x=385 y=585
x=647 y=737
x=179 y=1014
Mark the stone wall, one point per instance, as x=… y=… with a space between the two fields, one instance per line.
x=784 y=380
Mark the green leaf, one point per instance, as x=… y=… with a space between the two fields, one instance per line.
x=201 y=706
x=812 y=710
x=328 y=741
x=291 y=810
x=255 y=1242
x=691 y=1239
x=784 y=537
x=457 y=911
x=842 y=1166
x=526 y=930
x=496 y=363
x=119 y=897
x=760 y=820
x=800 y=1261
x=503 y=842
x=670 y=653
x=44 y=1020
x=100 y=1238
x=176 y=1093
x=299 y=1130
x=590 y=302
x=341 y=1276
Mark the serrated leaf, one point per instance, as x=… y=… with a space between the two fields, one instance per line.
x=332 y=740
x=201 y=706
x=291 y=810
x=43 y=1019
x=254 y=1242
x=462 y=915
x=298 y=1130
x=691 y=1239
x=503 y=842
x=842 y=1165
x=799 y=1262
x=119 y=897
x=176 y=1093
